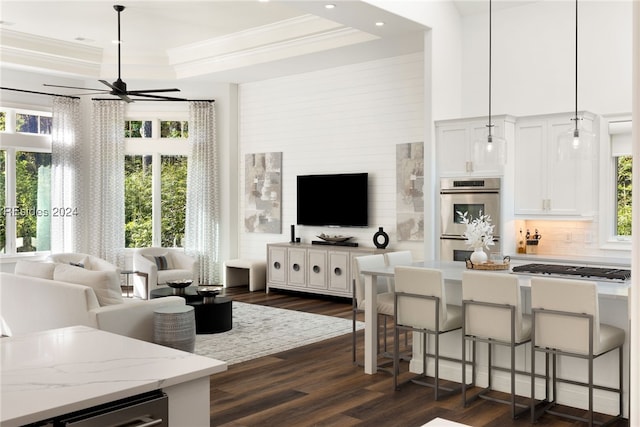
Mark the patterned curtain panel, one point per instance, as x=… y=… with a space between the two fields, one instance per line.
x=202 y=217
x=65 y=185
x=105 y=201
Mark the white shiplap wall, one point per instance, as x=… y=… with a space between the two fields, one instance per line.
x=339 y=120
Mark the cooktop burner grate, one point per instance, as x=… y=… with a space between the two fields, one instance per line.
x=570 y=270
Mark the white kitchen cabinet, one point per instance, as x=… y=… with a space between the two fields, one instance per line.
x=544 y=185
x=317 y=269
x=455 y=140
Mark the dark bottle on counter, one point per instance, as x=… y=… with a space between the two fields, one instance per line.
x=521 y=248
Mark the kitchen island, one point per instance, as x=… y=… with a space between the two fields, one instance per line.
x=51 y=373
x=614 y=310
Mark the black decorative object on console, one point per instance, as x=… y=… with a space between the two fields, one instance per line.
x=376 y=237
x=293 y=233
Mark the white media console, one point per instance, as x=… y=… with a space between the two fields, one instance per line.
x=317 y=269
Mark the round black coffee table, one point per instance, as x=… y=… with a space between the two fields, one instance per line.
x=212 y=317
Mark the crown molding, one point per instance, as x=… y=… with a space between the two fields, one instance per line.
x=220 y=55
x=21 y=50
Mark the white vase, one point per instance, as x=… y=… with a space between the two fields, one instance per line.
x=478 y=256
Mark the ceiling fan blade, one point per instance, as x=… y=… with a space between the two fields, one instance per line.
x=104 y=82
x=166 y=98
x=73 y=87
x=124 y=97
x=137 y=92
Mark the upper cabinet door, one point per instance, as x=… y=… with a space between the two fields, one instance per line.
x=545 y=185
x=455 y=140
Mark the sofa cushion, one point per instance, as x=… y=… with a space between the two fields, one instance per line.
x=105 y=284
x=43 y=270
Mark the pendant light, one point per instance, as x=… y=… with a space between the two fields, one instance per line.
x=491 y=149
x=577 y=142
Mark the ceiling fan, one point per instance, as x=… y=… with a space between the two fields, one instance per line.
x=119 y=87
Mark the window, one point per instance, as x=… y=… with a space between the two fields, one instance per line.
x=623 y=195
x=174 y=129
x=138 y=201
x=32 y=123
x=25 y=181
x=173 y=199
x=138 y=129
x=621 y=160
x=155 y=184
x=33 y=202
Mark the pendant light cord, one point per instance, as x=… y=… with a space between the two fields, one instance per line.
x=576 y=94
x=490 y=125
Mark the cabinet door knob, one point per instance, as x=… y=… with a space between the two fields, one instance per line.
x=337 y=271
x=296 y=267
x=316 y=269
x=276 y=265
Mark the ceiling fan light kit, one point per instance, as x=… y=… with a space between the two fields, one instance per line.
x=119 y=87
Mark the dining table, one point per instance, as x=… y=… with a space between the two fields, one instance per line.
x=452 y=273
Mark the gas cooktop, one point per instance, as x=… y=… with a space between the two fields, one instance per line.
x=590 y=273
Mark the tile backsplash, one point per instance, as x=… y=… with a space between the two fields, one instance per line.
x=562 y=237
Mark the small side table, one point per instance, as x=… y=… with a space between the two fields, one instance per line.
x=175 y=327
x=128 y=274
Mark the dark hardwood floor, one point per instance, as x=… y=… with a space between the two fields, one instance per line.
x=317 y=385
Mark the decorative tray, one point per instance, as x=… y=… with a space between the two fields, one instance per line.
x=328 y=238
x=208 y=290
x=179 y=284
x=490 y=265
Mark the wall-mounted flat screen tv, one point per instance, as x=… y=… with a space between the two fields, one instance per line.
x=338 y=200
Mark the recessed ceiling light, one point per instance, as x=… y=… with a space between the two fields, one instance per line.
x=379 y=24
x=329 y=6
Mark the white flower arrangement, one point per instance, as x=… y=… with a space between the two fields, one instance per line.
x=479 y=232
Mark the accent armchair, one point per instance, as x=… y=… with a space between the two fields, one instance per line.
x=162 y=265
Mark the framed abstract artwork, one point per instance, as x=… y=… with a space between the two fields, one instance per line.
x=263 y=193
x=410 y=191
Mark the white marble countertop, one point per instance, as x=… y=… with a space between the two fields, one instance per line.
x=452 y=271
x=51 y=373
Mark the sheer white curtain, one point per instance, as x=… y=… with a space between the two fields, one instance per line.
x=65 y=185
x=202 y=216
x=105 y=199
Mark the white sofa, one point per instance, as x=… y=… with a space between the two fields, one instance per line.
x=30 y=303
x=89 y=262
x=177 y=266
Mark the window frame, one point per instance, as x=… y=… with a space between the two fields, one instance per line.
x=609 y=240
x=156 y=147
x=12 y=142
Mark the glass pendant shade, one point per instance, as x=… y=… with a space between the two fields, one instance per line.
x=576 y=144
x=491 y=150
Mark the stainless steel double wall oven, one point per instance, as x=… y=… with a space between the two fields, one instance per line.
x=472 y=195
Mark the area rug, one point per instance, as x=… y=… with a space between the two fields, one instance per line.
x=260 y=331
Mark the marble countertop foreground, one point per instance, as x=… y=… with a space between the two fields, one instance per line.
x=51 y=373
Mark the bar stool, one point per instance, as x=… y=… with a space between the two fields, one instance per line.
x=384 y=299
x=566 y=322
x=492 y=313
x=404 y=258
x=421 y=306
